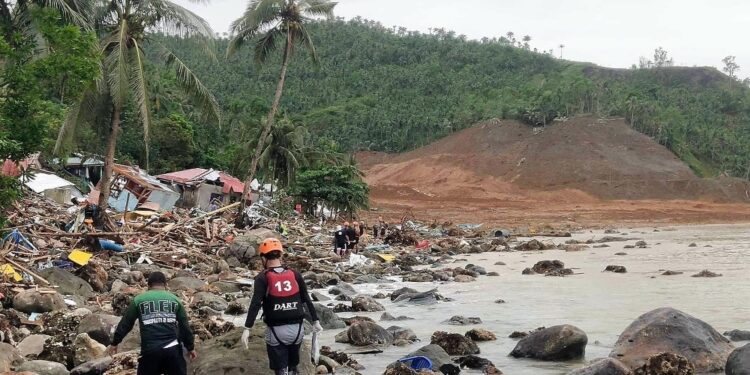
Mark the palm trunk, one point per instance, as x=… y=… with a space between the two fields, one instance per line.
x=269 y=125
x=109 y=159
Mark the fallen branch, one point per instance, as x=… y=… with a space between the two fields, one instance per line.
x=24 y=269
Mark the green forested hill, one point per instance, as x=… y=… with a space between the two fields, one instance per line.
x=392 y=90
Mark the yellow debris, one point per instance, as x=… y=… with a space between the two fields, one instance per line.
x=7 y=269
x=80 y=257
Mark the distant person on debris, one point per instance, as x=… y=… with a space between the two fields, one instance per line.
x=351 y=237
x=164 y=330
x=281 y=293
x=379 y=228
x=355 y=234
x=339 y=241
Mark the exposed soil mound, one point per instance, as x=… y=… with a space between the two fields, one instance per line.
x=579 y=160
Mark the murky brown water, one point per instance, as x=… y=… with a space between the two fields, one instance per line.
x=602 y=304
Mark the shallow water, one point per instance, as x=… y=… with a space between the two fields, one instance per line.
x=602 y=304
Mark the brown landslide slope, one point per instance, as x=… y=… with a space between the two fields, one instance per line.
x=583 y=160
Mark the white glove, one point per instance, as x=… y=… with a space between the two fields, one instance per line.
x=317 y=327
x=246 y=338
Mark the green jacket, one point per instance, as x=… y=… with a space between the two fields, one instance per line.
x=162 y=320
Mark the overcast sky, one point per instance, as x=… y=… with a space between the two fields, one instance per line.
x=612 y=33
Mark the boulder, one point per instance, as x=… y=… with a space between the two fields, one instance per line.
x=94 y=274
x=463 y=279
x=32 y=345
x=134 y=277
x=534 y=245
x=405 y=290
x=9 y=357
x=400 y=333
x=328 y=318
x=557 y=343
x=95 y=367
x=478 y=334
x=616 y=269
x=44 y=368
x=548 y=266
x=475 y=363
x=365 y=333
x=667 y=330
x=235 y=308
x=386 y=317
x=225 y=287
x=672 y=273
x=738 y=335
x=370 y=279
x=67 y=283
x=603 y=366
x=666 y=363
x=101 y=327
x=707 y=273
x=399 y=369
x=435 y=353
x=186 y=283
x=366 y=303
x=425 y=298
x=458 y=320
x=30 y=301
x=739 y=361
x=319 y=297
x=211 y=300
x=343 y=289
x=87 y=349
x=454 y=343
x=245 y=246
x=214 y=355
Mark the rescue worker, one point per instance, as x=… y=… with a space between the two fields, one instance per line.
x=339 y=241
x=281 y=293
x=164 y=330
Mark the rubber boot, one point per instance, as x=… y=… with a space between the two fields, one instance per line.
x=281 y=372
x=293 y=371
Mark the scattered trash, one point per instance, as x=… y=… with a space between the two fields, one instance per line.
x=80 y=257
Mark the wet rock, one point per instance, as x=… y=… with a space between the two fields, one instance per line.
x=343 y=289
x=400 y=333
x=368 y=333
x=87 y=349
x=458 y=320
x=67 y=283
x=666 y=363
x=134 y=277
x=641 y=244
x=101 y=327
x=738 y=362
x=9 y=357
x=386 y=317
x=557 y=343
x=601 y=246
x=476 y=269
x=738 y=335
x=117 y=286
x=96 y=276
x=621 y=254
x=399 y=369
x=493 y=273
x=671 y=273
x=95 y=367
x=44 y=368
x=603 y=366
x=328 y=318
x=32 y=345
x=319 y=297
x=463 y=279
x=693 y=245
x=533 y=245
x=244 y=247
x=236 y=308
x=616 y=269
x=425 y=298
x=454 y=343
x=214 y=354
x=370 y=279
x=473 y=362
x=342 y=308
x=629 y=247
x=121 y=301
x=366 y=303
x=30 y=301
x=499 y=301
x=343 y=297
x=706 y=273
x=342 y=337
x=572 y=248
x=548 y=266
x=185 y=283
x=380 y=295
x=355 y=319
x=478 y=335
x=225 y=287
x=678 y=333
x=211 y=300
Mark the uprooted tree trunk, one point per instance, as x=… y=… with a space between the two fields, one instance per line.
x=267 y=129
x=109 y=159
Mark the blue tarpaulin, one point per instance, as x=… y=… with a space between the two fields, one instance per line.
x=18 y=239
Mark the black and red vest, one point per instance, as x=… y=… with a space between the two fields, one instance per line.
x=283 y=302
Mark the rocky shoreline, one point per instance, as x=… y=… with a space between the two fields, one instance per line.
x=59 y=321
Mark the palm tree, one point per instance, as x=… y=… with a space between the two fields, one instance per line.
x=16 y=16
x=561 y=49
x=123 y=26
x=285 y=152
x=266 y=23
x=526 y=41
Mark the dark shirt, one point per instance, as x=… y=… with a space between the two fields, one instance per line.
x=339 y=239
x=162 y=320
x=351 y=234
x=260 y=288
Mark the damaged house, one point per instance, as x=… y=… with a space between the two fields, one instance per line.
x=132 y=187
x=204 y=188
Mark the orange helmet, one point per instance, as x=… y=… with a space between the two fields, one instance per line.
x=270 y=244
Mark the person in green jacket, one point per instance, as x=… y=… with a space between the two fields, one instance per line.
x=164 y=330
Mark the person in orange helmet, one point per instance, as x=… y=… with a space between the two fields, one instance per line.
x=281 y=293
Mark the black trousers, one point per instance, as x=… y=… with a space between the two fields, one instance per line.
x=168 y=361
x=283 y=357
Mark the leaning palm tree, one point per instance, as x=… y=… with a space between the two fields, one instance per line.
x=266 y=23
x=284 y=153
x=123 y=27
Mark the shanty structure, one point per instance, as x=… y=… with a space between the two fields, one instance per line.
x=132 y=187
x=52 y=186
x=89 y=168
x=12 y=169
x=204 y=188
